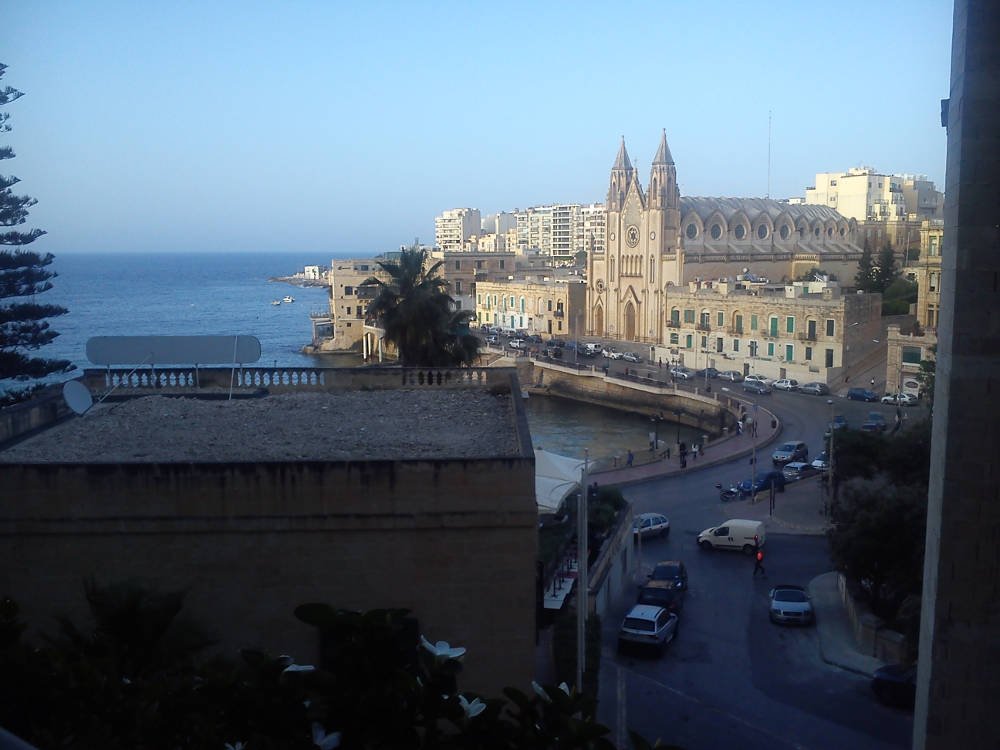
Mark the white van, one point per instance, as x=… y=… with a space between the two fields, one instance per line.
x=736 y=533
x=592 y=348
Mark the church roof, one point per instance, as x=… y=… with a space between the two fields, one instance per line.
x=729 y=207
x=663 y=155
x=622 y=160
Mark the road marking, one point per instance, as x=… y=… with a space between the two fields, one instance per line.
x=620 y=710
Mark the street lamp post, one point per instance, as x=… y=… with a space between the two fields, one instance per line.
x=677 y=413
x=830 y=474
x=753 y=454
x=582 y=595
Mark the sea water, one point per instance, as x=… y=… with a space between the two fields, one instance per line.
x=188 y=294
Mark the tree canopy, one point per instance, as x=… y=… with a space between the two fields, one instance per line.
x=418 y=315
x=865 y=277
x=23 y=274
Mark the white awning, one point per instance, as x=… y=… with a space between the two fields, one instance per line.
x=556 y=477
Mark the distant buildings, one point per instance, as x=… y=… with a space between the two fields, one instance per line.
x=542 y=306
x=454 y=228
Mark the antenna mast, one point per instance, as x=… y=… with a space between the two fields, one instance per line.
x=768 y=195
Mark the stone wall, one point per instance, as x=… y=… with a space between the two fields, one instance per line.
x=871 y=634
x=455 y=541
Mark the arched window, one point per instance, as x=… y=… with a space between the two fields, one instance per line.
x=691 y=230
x=740 y=232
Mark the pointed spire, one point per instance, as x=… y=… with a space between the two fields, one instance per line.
x=663 y=152
x=622 y=162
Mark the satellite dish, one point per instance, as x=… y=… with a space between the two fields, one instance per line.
x=77 y=397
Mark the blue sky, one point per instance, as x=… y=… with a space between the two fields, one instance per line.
x=344 y=128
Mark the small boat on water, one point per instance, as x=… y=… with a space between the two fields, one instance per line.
x=276 y=302
x=288 y=298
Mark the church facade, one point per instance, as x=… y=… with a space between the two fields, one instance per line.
x=657 y=240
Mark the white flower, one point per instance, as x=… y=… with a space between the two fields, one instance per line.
x=472 y=709
x=564 y=687
x=540 y=691
x=298 y=668
x=322 y=740
x=442 y=650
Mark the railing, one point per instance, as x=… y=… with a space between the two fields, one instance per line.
x=673 y=324
x=703 y=327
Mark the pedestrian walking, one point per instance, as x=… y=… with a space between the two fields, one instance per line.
x=739 y=428
x=629 y=458
x=694 y=451
x=873 y=383
x=758 y=561
x=668 y=453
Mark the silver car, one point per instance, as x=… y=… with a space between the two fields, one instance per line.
x=790 y=605
x=650 y=524
x=648 y=625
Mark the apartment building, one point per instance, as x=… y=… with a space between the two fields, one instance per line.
x=540 y=305
x=809 y=331
x=561 y=230
x=463 y=270
x=455 y=227
x=349 y=298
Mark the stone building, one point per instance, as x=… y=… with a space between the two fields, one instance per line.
x=808 y=331
x=455 y=227
x=543 y=306
x=349 y=299
x=656 y=238
x=360 y=488
x=464 y=270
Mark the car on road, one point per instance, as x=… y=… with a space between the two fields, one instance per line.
x=902 y=399
x=591 y=349
x=815 y=389
x=518 y=344
x=790 y=605
x=757 y=378
x=650 y=524
x=733 y=376
x=796 y=470
x=763 y=482
x=504 y=331
x=493 y=339
x=648 y=625
x=896 y=684
x=785 y=384
x=612 y=353
x=707 y=371
x=664 y=594
x=791 y=450
x=672 y=571
x=821 y=462
x=839 y=422
x=736 y=533
x=632 y=357
x=681 y=373
x=861 y=394
x=756 y=387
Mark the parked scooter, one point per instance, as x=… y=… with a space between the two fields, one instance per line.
x=734 y=492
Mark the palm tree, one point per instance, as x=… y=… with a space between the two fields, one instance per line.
x=417 y=314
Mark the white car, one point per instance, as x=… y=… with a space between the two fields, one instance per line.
x=650 y=524
x=785 y=384
x=752 y=378
x=903 y=399
x=611 y=353
x=681 y=373
x=648 y=625
x=821 y=462
x=518 y=344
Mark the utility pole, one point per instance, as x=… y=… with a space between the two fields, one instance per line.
x=582 y=584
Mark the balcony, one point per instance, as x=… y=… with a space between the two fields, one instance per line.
x=703 y=327
x=806 y=336
x=673 y=324
x=558 y=314
x=735 y=330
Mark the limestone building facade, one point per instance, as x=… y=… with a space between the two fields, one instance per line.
x=541 y=306
x=657 y=241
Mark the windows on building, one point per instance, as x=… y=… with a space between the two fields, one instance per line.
x=829 y=331
x=719 y=344
x=689 y=316
x=911 y=355
x=738 y=323
x=829 y=358
x=675 y=316
x=809 y=354
x=689 y=341
x=789 y=352
x=773 y=329
x=674 y=338
x=753 y=322
x=790 y=324
x=736 y=345
x=720 y=319
x=770 y=348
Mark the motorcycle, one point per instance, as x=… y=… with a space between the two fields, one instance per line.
x=734 y=492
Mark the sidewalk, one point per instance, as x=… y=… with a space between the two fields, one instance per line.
x=837 y=645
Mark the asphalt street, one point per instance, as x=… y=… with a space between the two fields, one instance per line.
x=731 y=678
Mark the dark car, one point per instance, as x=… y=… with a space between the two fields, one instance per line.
x=711 y=371
x=792 y=450
x=862 y=394
x=666 y=594
x=896 y=685
x=756 y=387
x=763 y=482
x=670 y=570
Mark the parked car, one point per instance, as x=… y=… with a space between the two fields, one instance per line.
x=761 y=483
x=839 y=422
x=901 y=399
x=896 y=685
x=815 y=389
x=648 y=625
x=493 y=339
x=733 y=376
x=756 y=387
x=876 y=422
x=664 y=594
x=790 y=605
x=796 y=470
x=672 y=571
x=611 y=353
x=505 y=331
x=681 y=373
x=631 y=357
x=710 y=372
x=792 y=450
x=861 y=394
x=758 y=378
x=785 y=384
x=650 y=524
x=518 y=344
x=821 y=462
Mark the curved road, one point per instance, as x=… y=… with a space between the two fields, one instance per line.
x=731 y=678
